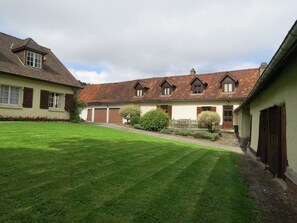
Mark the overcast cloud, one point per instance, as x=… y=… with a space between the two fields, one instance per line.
x=116 y=40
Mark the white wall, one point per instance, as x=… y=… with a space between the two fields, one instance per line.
x=147 y=107
x=180 y=110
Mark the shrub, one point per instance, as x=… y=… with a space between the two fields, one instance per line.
x=154 y=120
x=31 y=119
x=166 y=131
x=137 y=126
x=184 y=132
x=207 y=135
x=128 y=111
x=209 y=119
x=76 y=110
x=134 y=120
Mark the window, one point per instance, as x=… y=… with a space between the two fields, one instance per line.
x=206 y=108
x=198 y=89
x=33 y=59
x=55 y=100
x=228 y=87
x=166 y=91
x=9 y=95
x=139 y=93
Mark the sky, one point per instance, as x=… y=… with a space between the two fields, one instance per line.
x=118 y=40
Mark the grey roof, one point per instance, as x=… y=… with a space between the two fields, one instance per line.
x=52 y=69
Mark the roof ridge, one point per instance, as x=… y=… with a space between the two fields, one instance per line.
x=183 y=75
x=10 y=36
x=227 y=71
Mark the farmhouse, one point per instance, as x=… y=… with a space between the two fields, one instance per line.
x=267 y=117
x=181 y=97
x=33 y=82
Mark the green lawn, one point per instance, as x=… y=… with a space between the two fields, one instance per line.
x=56 y=172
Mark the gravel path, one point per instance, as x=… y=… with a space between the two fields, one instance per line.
x=192 y=140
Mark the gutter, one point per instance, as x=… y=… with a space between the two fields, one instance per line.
x=287 y=46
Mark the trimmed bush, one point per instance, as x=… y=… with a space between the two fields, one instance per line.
x=154 y=120
x=209 y=119
x=127 y=111
x=184 y=132
x=166 y=131
x=207 y=135
x=134 y=120
x=137 y=126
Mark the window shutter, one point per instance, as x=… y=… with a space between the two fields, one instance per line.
x=68 y=102
x=214 y=109
x=28 y=97
x=44 y=99
x=199 y=110
x=169 y=111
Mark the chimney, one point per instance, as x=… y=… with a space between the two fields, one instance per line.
x=262 y=67
x=192 y=71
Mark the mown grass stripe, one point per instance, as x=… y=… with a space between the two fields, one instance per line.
x=177 y=203
x=222 y=199
x=132 y=201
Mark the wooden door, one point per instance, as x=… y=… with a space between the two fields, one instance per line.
x=284 y=161
x=167 y=109
x=228 y=117
x=100 y=115
x=272 y=140
x=114 y=116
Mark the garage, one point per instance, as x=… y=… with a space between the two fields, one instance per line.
x=100 y=115
x=114 y=116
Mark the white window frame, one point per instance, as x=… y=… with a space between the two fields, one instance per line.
x=55 y=100
x=166 y=91
x=10 y=95
x=33 y=59
x=139 y=92
x=228 y=87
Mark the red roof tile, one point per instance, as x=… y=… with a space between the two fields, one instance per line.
x=124 y=92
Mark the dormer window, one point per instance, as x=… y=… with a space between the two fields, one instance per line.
x=166 y=91
x=140 y=88
x=228 y=87
x=167 y=87
x=139 y=92
x=228 y=83
x=33 y=59
x=197 y=85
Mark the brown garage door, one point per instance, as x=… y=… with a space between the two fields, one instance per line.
x=100 y=115
x=114 y=116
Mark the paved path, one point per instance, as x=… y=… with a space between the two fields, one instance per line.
x=177 y=138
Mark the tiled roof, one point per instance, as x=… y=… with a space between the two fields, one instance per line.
x=27 y=44
x=124 y=92
x=52 y=69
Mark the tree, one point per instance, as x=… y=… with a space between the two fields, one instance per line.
x=127 y=111
x=209 y=119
